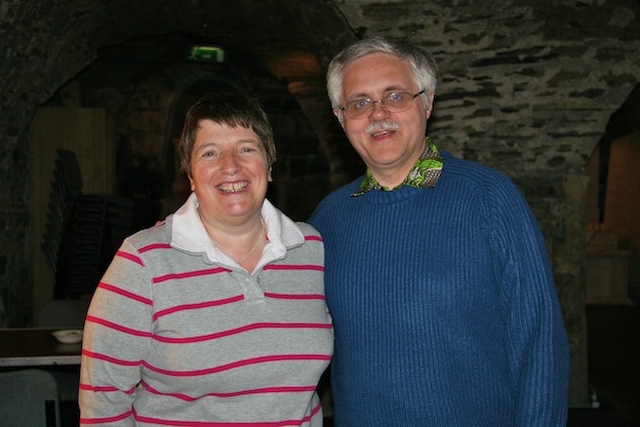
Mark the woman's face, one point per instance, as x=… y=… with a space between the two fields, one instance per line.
x=229 y=174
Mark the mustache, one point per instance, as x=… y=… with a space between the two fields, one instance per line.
x=382 y=125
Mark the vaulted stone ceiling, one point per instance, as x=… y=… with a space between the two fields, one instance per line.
x=45 y=43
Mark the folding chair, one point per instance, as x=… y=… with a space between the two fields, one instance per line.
x=29 y=397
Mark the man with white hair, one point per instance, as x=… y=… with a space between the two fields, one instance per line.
x=437 y=278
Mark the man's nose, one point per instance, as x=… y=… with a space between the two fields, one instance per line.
x=379 y=110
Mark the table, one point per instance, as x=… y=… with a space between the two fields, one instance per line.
x=20 y=347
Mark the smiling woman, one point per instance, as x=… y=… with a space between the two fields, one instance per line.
x=218 y=313
x=230 y=175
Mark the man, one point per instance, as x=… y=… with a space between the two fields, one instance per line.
x=437 y=278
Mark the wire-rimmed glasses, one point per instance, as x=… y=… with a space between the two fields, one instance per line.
x=394 y=102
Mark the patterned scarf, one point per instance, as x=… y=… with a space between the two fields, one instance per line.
x=425 y=173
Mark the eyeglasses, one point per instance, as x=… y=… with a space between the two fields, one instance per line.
x=394 y=102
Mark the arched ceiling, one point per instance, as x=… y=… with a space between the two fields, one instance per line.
x=46 y=43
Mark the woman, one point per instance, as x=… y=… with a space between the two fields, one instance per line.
x=216 y=316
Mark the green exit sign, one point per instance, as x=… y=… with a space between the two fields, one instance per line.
x=205 y=54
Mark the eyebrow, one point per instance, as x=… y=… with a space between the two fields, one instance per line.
x=388 y=89
x=209 y=144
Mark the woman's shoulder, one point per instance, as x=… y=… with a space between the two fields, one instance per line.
x=308 y=230
x=157 y=234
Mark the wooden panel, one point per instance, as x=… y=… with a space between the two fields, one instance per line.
x=607 y=278
x=82 y=130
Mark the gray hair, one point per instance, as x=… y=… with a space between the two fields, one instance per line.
x=422 y=64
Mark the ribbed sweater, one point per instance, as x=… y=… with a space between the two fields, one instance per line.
x=178 y=334
x=444 y=306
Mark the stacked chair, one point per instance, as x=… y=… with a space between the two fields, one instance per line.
x=66 y=188
x=83 y=230
x=85 y=248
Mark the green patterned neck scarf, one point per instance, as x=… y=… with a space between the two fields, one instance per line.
x=425 y=173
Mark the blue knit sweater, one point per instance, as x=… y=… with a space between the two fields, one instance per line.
x=444 y=306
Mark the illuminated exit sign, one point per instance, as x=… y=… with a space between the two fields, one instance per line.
x=205 y=54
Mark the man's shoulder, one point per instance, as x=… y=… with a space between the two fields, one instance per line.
x=480 y=182
x=472 y=171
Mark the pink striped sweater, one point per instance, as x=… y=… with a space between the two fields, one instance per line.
x=178 y=334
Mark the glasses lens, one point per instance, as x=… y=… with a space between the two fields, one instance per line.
x=394 y=102
x=358 y=107
x=397 y=101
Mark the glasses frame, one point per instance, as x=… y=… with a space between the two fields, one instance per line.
x=381 y=101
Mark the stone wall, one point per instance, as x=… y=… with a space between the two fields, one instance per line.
x=524 y=86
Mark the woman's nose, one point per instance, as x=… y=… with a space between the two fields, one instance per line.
x=229 y=163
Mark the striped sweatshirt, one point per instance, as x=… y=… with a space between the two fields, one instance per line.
x=178 y=334
x=444 y=306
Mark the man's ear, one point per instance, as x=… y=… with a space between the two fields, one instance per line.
x=340 y=115
x=269 y=175
x=430 y=109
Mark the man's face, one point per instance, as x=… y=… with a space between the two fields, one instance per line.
x=389 y=143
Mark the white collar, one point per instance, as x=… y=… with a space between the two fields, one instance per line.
x=189 y=235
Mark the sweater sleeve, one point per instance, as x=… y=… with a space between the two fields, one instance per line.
x=537 y=345
x=116 y=337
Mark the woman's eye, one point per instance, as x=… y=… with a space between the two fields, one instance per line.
x=248 y=149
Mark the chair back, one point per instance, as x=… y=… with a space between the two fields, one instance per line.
x=29 y=397
x=63 y=313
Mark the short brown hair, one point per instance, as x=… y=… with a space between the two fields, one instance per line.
x=232 y=109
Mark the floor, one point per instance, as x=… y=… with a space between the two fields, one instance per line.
x=613 y=349
x=613 y=336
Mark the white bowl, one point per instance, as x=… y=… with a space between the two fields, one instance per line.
x=68 y=336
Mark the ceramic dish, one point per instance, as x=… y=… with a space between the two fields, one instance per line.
x=68 y=336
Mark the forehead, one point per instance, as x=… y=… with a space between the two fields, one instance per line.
x=374 y=74
x=213 y=132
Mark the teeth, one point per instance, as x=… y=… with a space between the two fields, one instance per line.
x=233 y=187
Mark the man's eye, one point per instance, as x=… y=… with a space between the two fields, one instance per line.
x=394 y=97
